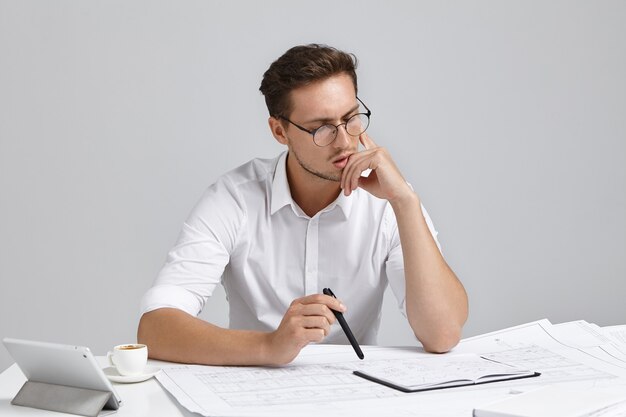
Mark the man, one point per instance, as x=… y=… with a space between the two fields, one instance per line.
x=276 y=232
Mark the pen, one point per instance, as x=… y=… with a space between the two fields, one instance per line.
x=344 y=326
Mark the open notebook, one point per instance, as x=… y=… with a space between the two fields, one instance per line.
x=440 y=371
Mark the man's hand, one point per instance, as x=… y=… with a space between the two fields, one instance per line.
x=307 y=320
x=385 y=181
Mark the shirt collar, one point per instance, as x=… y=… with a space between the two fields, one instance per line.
x=281 y=194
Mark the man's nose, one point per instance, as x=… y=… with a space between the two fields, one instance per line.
x=343 y=139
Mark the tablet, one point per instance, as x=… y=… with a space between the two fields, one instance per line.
x=52 y=363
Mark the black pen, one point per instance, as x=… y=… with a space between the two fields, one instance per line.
x=344 y=326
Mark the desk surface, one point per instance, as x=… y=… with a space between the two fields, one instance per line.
x=568 y=353
x=146 y=398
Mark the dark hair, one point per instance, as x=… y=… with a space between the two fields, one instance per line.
x=300 y=66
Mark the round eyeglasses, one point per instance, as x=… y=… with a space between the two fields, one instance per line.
x=326 y=134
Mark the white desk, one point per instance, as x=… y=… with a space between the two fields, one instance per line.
x=142 y=399
x=570 y=353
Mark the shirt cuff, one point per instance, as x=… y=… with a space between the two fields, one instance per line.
x=170 y=296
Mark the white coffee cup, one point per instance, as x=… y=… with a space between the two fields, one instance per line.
x=129 y=359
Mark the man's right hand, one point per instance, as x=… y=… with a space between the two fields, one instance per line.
x=307 y=320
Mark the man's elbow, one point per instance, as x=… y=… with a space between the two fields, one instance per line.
x=147 y=330
x=441 y=341
x=143 y=330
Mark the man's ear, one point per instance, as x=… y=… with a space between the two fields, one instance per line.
x=278 y=131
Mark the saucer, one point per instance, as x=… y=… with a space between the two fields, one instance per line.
x=114 y=376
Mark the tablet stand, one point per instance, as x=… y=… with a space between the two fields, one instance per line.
x=51 y=397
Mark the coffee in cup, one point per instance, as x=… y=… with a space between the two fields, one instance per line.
x=129 y=359
x=130 y=347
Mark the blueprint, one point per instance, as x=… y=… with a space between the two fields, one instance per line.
x=320 y=380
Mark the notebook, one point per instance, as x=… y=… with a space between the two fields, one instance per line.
x=439 y=371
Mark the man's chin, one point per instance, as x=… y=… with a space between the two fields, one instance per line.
x=329 y=177
x=333 y=177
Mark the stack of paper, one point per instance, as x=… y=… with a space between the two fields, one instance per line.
x=559 y=401
x=575 y=355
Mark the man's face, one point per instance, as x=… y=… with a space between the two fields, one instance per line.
x=329 y=101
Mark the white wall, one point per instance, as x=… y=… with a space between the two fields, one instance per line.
x=508 y=117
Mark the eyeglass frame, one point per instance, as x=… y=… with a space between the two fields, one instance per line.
x=345 y=124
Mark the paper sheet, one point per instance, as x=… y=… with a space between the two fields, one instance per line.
x=616 y=333
x=320 y=381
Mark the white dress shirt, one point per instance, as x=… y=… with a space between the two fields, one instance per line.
x=248 y=234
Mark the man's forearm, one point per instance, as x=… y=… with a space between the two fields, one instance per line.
x=436 y=302
x=175 y=336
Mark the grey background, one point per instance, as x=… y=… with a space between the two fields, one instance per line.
x=507 y=117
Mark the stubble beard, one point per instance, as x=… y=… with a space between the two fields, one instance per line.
x=318 y=174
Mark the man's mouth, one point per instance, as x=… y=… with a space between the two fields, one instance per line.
x=341 y=161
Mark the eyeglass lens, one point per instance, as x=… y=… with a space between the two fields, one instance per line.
x=354 y=126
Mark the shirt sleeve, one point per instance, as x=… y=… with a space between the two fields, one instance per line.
x=194 y=266
x=394 y=266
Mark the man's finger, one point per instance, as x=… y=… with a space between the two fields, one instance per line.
x=367 y=142
x=316 y=322
x=327 y=300
x=319 y=310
